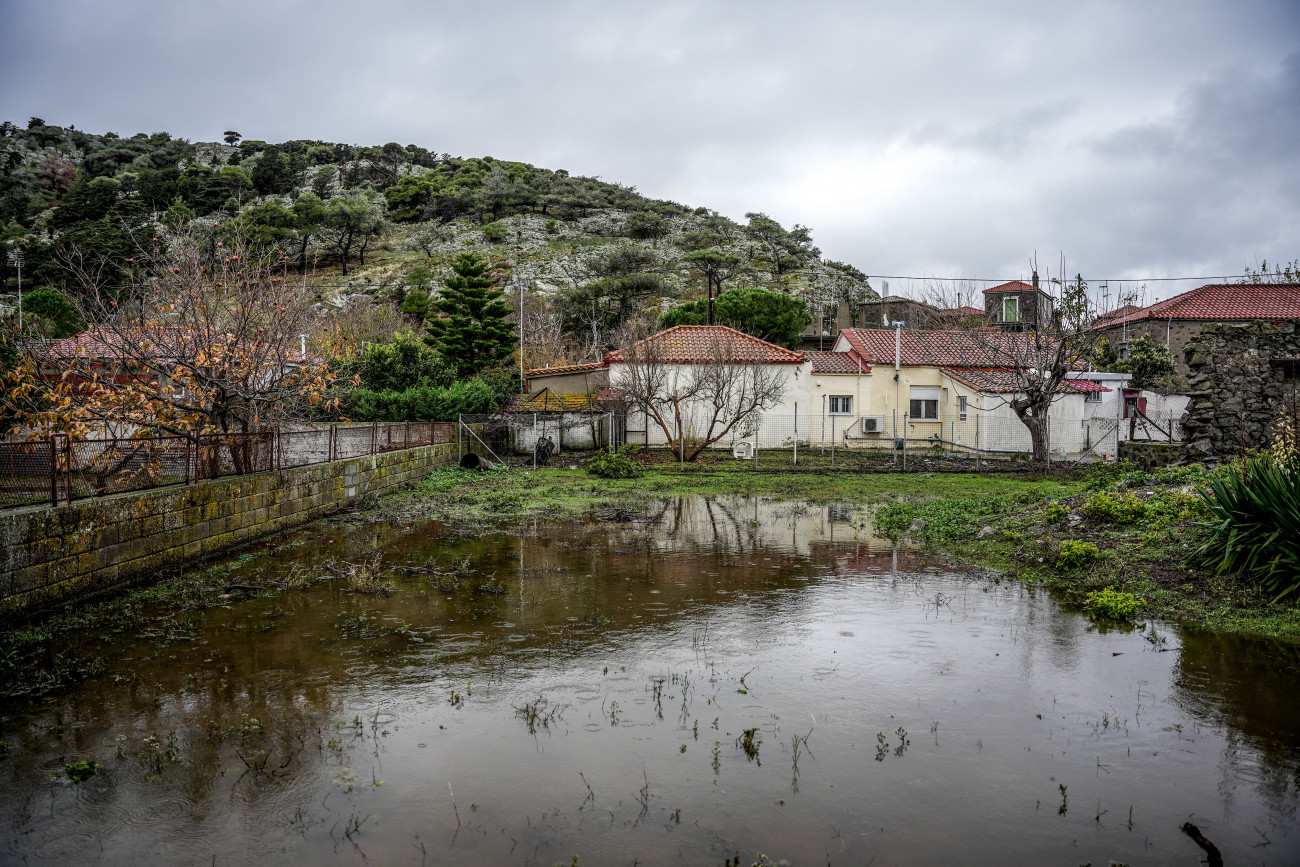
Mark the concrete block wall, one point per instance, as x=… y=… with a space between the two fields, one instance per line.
x=51 y=555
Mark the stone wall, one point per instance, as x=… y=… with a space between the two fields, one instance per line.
x=1149 y=456
x=1242 y=377
x=50 y=555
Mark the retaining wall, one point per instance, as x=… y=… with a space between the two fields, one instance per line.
x=50 y=555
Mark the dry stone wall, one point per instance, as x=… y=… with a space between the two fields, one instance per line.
x=1242 y=378
x=50 y=555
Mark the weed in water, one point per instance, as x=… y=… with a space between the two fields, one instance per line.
x=749 y=742
x=1065 y=801
x=1113 y=604
x=81 y=771
x=539 y=714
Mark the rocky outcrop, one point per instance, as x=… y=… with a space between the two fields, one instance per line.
x=1242 y=378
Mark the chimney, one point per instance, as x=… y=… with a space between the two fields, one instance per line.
x=1035 y=279
x=884 y=288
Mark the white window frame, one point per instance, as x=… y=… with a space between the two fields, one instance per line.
x=1092 y=397
x=961 y=407
x=844 y=401
x=1013 y=302
x=926 y=398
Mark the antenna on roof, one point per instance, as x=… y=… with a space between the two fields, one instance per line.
x=1105 y=296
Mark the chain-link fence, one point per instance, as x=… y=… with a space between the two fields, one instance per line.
x=990 y=439
x=59 y=468
x=537 y=438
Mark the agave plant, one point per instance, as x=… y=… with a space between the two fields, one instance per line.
x=1255 y=523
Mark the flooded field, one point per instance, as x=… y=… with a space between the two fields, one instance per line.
x=718 y=676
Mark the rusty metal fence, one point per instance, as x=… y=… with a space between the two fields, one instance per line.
x=61 y=469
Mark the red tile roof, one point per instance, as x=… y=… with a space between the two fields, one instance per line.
x=1216 y=301
x=838 y=362
x=984 y=347
x=691 y=344
x=566 y=368
x=968 y=311
x=1119 y=314
x=1013 y=286
x=996 y=380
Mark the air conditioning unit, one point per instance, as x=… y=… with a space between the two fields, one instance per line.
x=743 y=451
x=873 y=424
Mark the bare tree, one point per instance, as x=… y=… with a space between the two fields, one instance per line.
x=697 y=403
x=950 y=304
x=1027 y=370
x=205 y=337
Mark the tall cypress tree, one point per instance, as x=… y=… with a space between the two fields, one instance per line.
x=472 y=333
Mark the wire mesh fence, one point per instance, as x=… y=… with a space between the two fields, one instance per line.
x=535 y=438
x=61 y=469
x=974 y=440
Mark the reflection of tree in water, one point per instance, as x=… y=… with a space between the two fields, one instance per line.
x=1245 y=688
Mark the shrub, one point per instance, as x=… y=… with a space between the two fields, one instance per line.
x=421 y=403
x=1054 y=513
x=1113 y=604
x=1076 y=555
x=1254 y=523
x=552 y=227
x=614 y=463
x=404 y=363
x=495 y=232
x=1116 y=508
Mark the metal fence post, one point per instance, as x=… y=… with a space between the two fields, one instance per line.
x=796 y=433
x=756 y=438
x=54 y=478
x=977 y=443
x=905 y=415
x=67 y=464
x=832 y=442
x=459 y=422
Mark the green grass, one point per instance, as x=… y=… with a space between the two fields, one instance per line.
x=1026 y=513
x=465 y=497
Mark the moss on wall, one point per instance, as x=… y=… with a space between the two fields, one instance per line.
x=52 y=555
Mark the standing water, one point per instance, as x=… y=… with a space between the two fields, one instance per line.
x=720 y=676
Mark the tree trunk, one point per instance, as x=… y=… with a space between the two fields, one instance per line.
x=1037 y=426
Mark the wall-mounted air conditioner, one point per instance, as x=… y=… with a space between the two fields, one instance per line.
x=743 y=450
x=873 y=424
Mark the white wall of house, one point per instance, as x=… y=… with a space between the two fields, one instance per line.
x=768 y=430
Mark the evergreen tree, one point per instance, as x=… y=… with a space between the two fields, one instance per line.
x=472 y=334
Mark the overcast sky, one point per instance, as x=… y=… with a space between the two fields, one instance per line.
x=1143 y=139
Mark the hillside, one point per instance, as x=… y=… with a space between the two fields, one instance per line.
x=370 y=229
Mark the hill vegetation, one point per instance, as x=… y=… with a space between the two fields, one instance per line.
x=372 y=232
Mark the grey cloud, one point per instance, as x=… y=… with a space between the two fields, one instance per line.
x=924 y=138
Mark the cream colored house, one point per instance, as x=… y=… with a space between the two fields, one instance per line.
x=877 y=387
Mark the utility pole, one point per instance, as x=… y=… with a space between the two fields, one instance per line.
x=16 y=259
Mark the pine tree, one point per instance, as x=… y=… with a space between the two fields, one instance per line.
x=472 y=333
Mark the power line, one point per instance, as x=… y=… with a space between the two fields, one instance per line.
x=1092 y=279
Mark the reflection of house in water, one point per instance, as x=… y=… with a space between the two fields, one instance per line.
x=839 y=513
x=752 y=523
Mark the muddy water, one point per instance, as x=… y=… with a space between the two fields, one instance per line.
x=725 y=675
